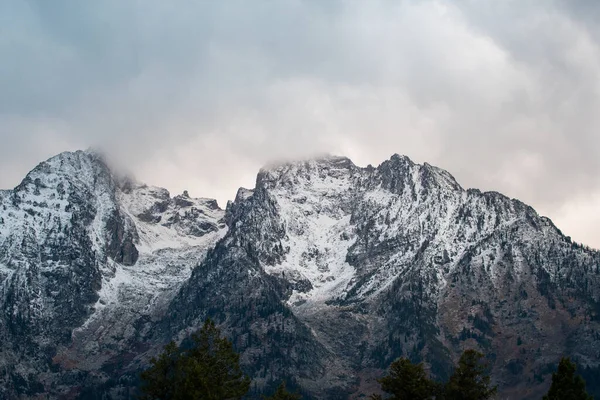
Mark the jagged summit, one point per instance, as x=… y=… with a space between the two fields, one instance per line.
x=289 y=173
x=322 y=205
x=396 y=167
x=80 y=165
x=322 y=159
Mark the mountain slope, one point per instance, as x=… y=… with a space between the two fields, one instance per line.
x=324 y=273
x=85 y=254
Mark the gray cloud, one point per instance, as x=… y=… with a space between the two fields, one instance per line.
x=199 y=95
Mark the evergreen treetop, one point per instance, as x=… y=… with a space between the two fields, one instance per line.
x=565 y=384
x=208 y=370
x=282 y=394
x=470 y=380
x=407 y=381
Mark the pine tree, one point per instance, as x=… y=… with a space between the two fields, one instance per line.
x=161 y=377
x=470 y=380
x=208 y=370
x=566 y=385
x=282 y=394
x=407 y=381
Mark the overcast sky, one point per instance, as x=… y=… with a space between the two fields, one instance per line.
x=198 y=95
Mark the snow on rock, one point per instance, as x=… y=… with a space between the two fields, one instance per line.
x=174 y=235
x=351 y=232
x=308 y=197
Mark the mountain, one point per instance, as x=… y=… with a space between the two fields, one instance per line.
x=323 y=274
x=86 y=260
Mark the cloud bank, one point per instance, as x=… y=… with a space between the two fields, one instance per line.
x=199 y=95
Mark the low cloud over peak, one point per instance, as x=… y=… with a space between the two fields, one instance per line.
x=504 y=95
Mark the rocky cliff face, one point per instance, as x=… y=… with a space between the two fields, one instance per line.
x=324 y=273
x=85 y=259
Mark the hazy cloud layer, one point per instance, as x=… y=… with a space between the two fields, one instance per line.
x=198 y=95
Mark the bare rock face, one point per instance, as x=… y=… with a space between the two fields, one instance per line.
x=323 y=273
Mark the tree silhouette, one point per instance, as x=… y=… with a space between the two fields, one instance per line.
x=566 y=385
x=470 y=380
x=208 y=370
x=282 y=394
x=407 y=381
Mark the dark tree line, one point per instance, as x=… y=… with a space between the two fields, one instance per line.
x=470 y=381
x=208 y=369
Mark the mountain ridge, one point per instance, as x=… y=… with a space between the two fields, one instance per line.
x=323 y=273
